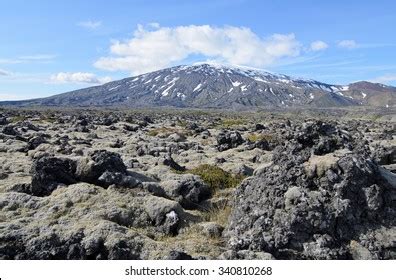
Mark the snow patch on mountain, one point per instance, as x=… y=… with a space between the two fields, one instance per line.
x=197 y=87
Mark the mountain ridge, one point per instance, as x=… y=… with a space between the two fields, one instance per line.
x=208 y=85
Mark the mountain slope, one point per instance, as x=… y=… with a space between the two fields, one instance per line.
x=216 y=86
x=373 y=94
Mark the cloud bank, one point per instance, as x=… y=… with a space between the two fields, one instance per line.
x=79 y=78
x=158 y=47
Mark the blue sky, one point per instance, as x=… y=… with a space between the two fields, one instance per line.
x=50 y=47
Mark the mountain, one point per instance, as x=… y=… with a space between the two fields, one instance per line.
x=218 y=86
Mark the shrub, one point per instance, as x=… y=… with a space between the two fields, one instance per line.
x=215 y=177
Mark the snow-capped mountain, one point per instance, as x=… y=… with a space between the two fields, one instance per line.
x=218 y=86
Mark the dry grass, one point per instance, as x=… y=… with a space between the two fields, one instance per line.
x=194 y=242
x=161 y=130
x=206 y=142
x=218 y=215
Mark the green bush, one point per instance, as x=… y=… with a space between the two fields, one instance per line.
x=215 y=177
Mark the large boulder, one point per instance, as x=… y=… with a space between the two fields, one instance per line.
x=167 y=215
x=316 y=202
x=101 y=168
x=50 y=172
x=189 y=190
x=3 y=120
x=385 y=155
x=104 y=168
x=10 y=130
x=34 y=142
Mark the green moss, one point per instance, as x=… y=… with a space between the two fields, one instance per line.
x=182 y=123
x=17 y=119
x=231 y=122
x=161 y=130
x=376 y=117
x=166 y=131
x=254 y=137
x=48 y=119
x=215 y=177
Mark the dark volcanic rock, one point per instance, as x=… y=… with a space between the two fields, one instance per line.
x=3 y=120
x=178 y=255
x=34 y=142
x=188 y=190
x=105 y=168
x=305 y=206
x=259 y=126
x=49 y=172
x=228 y=140
x=102 y=168
x=100 y=161
x=385 y=156
x=169 y=161
x=116 y=178
x=10 y=130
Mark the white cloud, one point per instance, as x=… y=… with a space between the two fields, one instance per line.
x=36 y=57
x=318 y=46
x=79 y=78
x=348 y=44
x=10 y=61
x=158 y=47
x=13 y=97
x=4 y=72
x=90 y=24
x=385 y=79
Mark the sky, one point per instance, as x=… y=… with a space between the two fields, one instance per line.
x=50 y=47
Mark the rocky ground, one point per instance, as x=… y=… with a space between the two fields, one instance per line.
x=196 y=185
